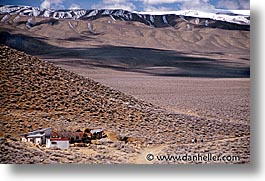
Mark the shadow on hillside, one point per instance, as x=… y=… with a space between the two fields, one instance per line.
x=145 y=60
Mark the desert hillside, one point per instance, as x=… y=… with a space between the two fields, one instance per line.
x=36 y=94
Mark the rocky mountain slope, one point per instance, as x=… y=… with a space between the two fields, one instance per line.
x=36 y=94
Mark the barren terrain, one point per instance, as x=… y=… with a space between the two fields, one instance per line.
x=220 y=98
x=160 y=87
x=36 y=94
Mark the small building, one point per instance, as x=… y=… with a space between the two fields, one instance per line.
x=73 y=137
x=37 y=137
x=96 y=133
x=63 y=139
x=57 y=143
x=46 y=137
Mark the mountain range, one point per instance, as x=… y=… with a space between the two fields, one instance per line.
x=154 y=19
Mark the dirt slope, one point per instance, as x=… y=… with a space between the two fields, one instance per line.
x=37 y=94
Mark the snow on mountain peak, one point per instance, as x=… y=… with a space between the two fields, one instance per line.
x=240 y=17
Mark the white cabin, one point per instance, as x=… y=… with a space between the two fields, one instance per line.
x=37 y=137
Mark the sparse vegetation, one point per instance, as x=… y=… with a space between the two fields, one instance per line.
x=36 y=94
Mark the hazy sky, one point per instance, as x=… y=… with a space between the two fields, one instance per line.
x=137 y=5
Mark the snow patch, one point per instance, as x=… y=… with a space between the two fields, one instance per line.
x=232 y=16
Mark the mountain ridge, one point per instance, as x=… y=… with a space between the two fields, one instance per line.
x=154 y=19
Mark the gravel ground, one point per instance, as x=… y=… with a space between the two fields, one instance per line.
x=220 y=98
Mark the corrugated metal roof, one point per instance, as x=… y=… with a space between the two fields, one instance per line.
x=35 y=135
x=35 y=132
x=40 y=130
x=96 y=130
